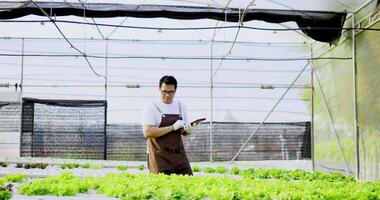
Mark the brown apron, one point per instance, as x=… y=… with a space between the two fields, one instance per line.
x=166 y=153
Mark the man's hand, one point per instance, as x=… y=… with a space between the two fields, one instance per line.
x=188 y=128
x=178 y=124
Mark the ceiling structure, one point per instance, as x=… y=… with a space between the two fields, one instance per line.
x=245 y=54
x=320 y=25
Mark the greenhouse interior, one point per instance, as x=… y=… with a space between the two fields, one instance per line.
x=279 y=86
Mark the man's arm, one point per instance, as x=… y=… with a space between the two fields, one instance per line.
x=153 y=132
x=186 y=131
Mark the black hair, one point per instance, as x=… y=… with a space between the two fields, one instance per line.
x=169 y=80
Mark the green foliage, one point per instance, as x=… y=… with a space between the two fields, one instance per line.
x=235 y=170
x=122 y=167
x=288 y=175
x=151 y=186
x=6 y=191
x=86 y=166
x=196 y=169
x=69 y=165
x=5 y=194
x=43 y=165
x=291 y=175
x=65 y=184
x=209 y=170
x=92 y=181
x=64 y=166
x=127 y=186
x=19 y=165
x=96 y=167
x=141 y=167
x=32 y=165
x=3 y=164
x=221 y=169
x=77 y=165
x=15 y=178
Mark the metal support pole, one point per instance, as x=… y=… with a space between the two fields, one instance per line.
x=354 y=73
x=332 y=123
x=106 y=74
x=312 y=110
x=105 y=130
x=21 y=90
x=105 y=99
x=270 y=112
x=211 y=105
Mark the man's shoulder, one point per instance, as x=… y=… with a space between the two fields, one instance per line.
x=149 y=106
x=159 y=105
x=181 y=104
x=177 y=102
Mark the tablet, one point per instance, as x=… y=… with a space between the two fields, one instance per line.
x=197 y=121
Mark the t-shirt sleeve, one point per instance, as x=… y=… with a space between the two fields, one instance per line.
x=148 y=116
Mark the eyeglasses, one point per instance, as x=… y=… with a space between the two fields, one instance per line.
x=167 y=92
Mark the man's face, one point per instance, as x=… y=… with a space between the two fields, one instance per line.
x=167 y=93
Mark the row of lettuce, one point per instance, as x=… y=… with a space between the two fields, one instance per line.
x=254 y=184
x=249 y=173
x=65 y=166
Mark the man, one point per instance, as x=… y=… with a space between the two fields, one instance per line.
x=164 y=121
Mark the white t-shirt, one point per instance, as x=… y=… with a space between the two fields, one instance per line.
x=152 y=116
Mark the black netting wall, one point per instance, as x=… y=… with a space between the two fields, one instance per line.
x=9 y=129
x=125 y=142
x=63 y=128
x=274 y=141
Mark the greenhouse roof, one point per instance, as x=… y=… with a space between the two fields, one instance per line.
x=324 y=26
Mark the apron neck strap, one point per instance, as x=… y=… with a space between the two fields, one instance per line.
x=179 y=108
x=159 y=110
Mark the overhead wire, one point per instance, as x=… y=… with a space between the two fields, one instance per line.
x=181 y=97
x=216 y=3
x=137 y=85
x=85 y=33
x=169 y=42
x=235 y=69
x=214 y=35
x=183 y=84
x=196 y=30
x=34 y=52
x=187 y=29
x=251 y=3
x=145 y=68
x=97 y=27
x=235 y=39
x=197 y=2
x=114 y=30
x=178 y=57
x=228 y=3
x=269 y=113
x=160 y=57
x=93 y=20
x=219 y=110
x=122 y=22
x=120 y=84
x=68 y=41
